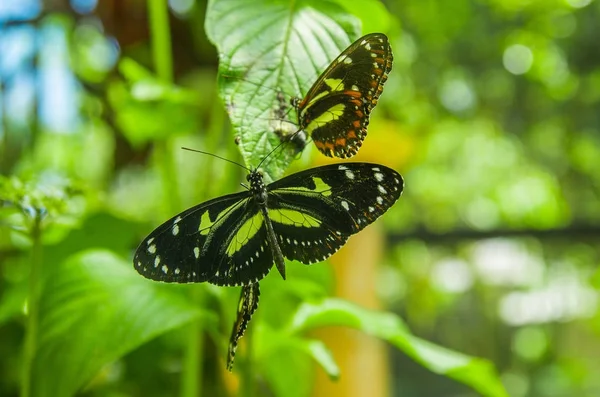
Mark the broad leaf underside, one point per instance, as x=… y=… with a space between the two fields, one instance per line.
x=269 y=46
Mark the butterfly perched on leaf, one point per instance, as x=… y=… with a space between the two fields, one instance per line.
x=335 y=111
x=235 y=239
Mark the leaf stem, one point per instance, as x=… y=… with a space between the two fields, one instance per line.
x=163 y=66
x=161 y=39
x=30 y=347
x=191 y=375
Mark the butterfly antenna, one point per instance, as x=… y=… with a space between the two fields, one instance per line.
x=270 y=153
x=219 y=157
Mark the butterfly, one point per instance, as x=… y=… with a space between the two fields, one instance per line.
x=335 y=111
x=235 y=239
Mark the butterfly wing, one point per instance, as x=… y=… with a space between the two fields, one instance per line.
x=314 y=212
x=221 y=241
x=247 y=305
x=335 y=111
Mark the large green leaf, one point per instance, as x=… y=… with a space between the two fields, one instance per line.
x=270 y=45
x=477 y=373
x=94 y=309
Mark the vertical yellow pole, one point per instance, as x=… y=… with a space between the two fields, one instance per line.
x=361 y=358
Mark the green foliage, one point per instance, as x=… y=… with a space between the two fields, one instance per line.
x=490 y=113
x=477 y=373
x=95 y=309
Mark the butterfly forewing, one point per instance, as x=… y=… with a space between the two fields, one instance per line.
x=315 y=211
x=216 y=241
x=335 y=111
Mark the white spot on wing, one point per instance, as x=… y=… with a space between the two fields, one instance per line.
x=345 y=205
x=379 y=176
x=150 y=241
x=371 y=209
x=165 y=269
x=177 y=271
x=342 y=167
x=381 y=189
x=156 y=261
x=152 y=249
x=175 y=230
x=196 y=252
x=349 y=174
x=379 y=200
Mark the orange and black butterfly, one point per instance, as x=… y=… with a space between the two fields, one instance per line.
x=335 y=111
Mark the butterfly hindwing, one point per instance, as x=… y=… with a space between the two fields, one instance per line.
x=247 y=305
x=240 y=250
x=315 y=211
x=335 y=111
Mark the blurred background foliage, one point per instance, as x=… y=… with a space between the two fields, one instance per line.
x=491 y=113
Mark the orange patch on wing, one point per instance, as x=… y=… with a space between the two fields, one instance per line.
x=324 y=145
x=351 y=134
x=355 y=94
x=356 y=124
x=340 y=141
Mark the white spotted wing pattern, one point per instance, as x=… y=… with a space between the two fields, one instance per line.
x=236 y=239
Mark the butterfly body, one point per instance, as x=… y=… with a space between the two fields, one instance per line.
x=235 y=239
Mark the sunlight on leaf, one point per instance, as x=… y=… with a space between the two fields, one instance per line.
x=475 y=372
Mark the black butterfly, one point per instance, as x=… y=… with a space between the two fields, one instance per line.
x=335 y=111
x=235 y=239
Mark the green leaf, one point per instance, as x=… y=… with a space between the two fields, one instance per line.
x=280 y=358
x=12 y=300
x=148 y=109
x=322 y=355
x=477 y=373
x=93 y=310
x=265 y=46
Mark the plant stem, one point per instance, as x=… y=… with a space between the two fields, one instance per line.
x=163 y=66
x=247 y=378
x=161 y=39
x=30 y=347
x=191 y=376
